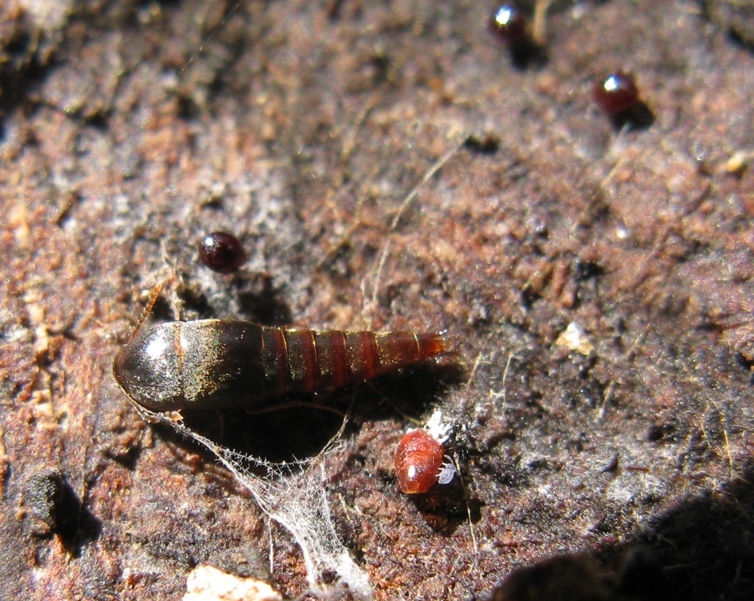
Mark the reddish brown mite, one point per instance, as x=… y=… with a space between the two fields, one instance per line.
x=418 y=461
x=617 y=93
x=510 y=24
x=222 y=252
x=218 y=363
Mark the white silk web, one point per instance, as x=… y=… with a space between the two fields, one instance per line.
x=294 y=495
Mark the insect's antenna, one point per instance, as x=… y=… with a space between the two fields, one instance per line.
x=211 y=36
x=154 y=294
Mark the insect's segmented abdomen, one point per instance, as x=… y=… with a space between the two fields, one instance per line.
x=217 y=363
x=306 y=360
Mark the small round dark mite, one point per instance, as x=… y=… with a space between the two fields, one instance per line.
x=617 y=93
x=510 y=24
x=222 y=252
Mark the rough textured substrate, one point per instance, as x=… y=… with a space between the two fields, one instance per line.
x=302 y=127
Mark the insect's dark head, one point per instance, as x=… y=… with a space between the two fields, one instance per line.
x=149 y=368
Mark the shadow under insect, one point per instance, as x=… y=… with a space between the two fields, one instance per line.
x=298 y=426
x=446 y=508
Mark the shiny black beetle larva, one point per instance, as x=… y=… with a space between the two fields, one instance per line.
x=218 y=363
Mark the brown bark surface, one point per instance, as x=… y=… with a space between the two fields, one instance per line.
x=595 y=283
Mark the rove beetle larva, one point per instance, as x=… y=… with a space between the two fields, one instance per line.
x=218 y=363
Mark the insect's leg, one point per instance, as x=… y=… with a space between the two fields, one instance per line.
x=294 y=404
